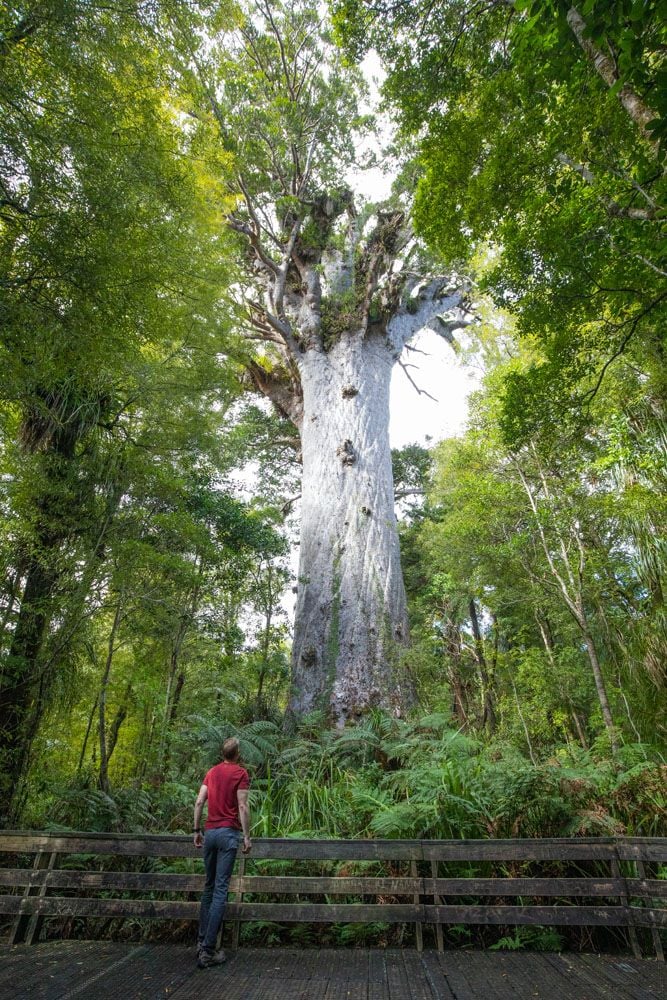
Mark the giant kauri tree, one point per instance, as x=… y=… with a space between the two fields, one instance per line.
x=330 y=299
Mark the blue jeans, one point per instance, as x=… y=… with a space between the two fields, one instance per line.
x=220 y=847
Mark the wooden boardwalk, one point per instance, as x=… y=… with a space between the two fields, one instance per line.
x=98 y=970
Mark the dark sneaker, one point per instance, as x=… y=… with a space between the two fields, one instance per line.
x=206 y=959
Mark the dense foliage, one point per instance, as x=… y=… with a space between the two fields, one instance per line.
x=146 y=498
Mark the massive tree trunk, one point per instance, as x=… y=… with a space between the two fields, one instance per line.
x=351 y=615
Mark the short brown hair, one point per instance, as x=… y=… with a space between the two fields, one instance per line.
x=230 y=748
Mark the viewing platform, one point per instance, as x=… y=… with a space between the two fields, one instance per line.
x=86 y=970
x=55 y=887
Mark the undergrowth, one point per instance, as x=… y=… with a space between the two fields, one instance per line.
x=383 y=778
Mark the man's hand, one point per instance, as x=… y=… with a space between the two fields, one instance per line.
x=244 y=816
x=202 y=798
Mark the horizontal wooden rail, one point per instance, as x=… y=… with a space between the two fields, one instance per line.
x=560 y=849
x=60 y=882
x=338 y=885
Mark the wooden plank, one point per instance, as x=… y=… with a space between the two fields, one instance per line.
x=35 y=923
x=74 y=970
x=328 y=912
x=612 y=977
x=397 y=979
x=610 y=916
x=54 y=971
x=512 y=974
x=91 y=835
x=653 y=850
x=166 y=882
x=547 y=849
x=523 y=886
x=569 y=979
x=649 y=888
x=624 y=901
x=158 y=846
x=419 y=987
x=336 y=850
x=122 y=881
x=147 y=972
x=437 y=899
x=166 y=847
x=653 y=922
x=66 y=906
x=580 y=848
x=433 y=972
x=419 y=937
x=347 y=885
x=354 y=885
x=238 y=898
x=21 y=924
x=185 y=909
x=457 y=980
x=378 y=988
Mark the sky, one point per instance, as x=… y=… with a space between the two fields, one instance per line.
x=415 y=417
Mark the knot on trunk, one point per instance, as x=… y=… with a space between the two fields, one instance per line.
x=346 y=452
x=309 y=657
x=349 y=391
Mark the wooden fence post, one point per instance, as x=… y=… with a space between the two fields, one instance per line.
x=625 y=900
x=236 y=931
x=27 y=927
x=437 y=900
x=655 y=933
x=419 y=934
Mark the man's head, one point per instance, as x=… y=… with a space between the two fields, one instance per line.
x=230 y=749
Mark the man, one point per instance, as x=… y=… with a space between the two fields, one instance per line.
x=225 y=788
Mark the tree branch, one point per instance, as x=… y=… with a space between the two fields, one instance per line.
x=635 y=106
x=613 y=208
x=281 y=387
x=417 y=312
x=633 y=324
x=421 y=392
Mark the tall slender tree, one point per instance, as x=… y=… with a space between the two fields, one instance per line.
x=109 y=280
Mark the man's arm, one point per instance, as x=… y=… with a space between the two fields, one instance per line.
x=199 y=805
x=244 y=816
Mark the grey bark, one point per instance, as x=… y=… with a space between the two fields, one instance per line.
x=351 y=617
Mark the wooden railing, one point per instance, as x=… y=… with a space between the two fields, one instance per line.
x=615 y=892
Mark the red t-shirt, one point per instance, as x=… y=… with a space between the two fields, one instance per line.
x=223 y=782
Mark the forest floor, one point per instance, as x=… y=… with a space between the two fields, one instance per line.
x=88 y=970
